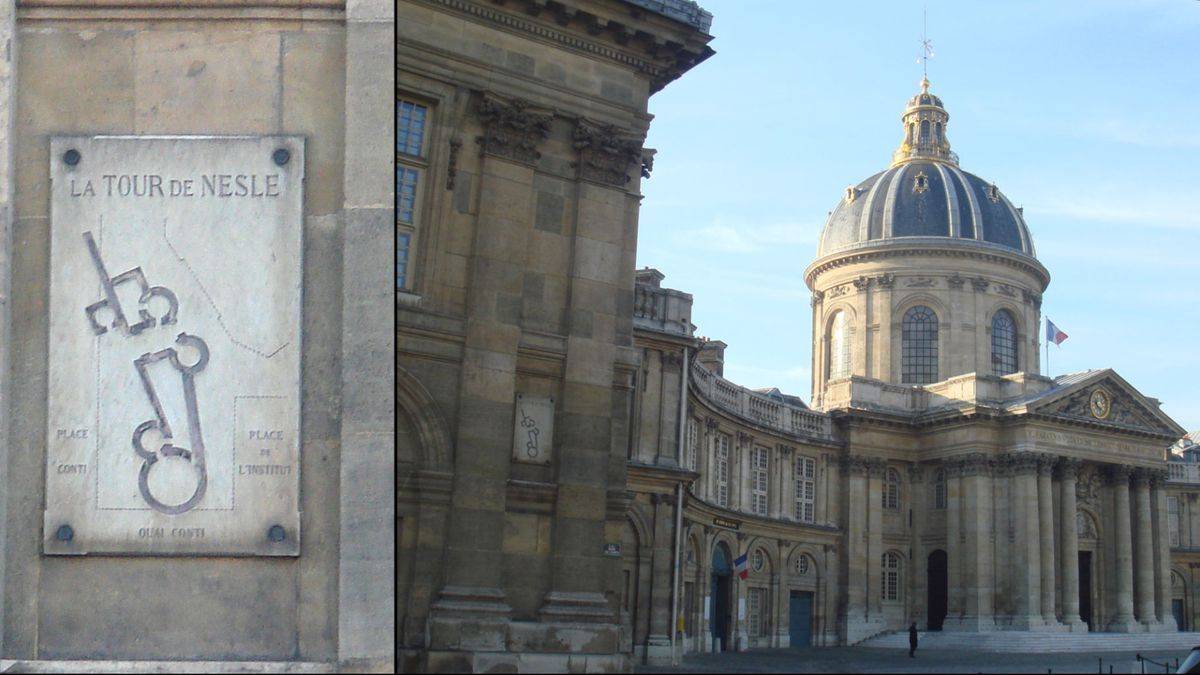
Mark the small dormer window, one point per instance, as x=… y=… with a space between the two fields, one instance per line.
x=851 y=193
x=920 y=183
x=992 y=193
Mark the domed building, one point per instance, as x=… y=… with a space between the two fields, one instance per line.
x=936 y=476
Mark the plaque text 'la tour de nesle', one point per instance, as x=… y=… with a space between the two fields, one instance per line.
x=174 y=370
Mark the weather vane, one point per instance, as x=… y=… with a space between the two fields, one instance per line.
x=926 y=44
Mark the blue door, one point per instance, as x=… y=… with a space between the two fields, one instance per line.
x=800 y=618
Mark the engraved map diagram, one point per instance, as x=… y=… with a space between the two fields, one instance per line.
x=174 y=398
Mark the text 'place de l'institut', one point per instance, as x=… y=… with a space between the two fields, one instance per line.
x=579 y=482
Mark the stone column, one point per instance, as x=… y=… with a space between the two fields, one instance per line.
x=978 y=613
x=1027 y=563
x=1143 y=534
x=857 y=562
x=1162 y=551
x=875 y=469
x=482 y=453
x=1068 y=471
x=1046 y=537
x=658 y=643
x=954 y=566
x=918 y=505
x=598 y=287
x=1123 y=622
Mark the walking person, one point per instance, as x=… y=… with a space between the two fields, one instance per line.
x=912 y=640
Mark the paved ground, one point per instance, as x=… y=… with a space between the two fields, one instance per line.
x=869 y=660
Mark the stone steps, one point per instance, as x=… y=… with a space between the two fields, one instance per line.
x=1040 y=642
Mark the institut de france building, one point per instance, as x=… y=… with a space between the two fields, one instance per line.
x=577 y=477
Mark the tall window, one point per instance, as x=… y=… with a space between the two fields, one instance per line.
x=839 y=346
x=1004 y=343
x=891 y=489
x=411 y=164
x=693 y=432
x=939 y=489
x=722 y=470
x=919 y=346
x=1173 y=519
x=806 y=481
x=759 y=469
x=754 y=607
x=891 y=576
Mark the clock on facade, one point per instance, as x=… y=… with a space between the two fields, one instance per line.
x=1099 y=404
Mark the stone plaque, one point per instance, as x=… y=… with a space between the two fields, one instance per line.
x=174 y=356
x=533 y=429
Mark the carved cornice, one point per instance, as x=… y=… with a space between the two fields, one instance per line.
x=897 y=250
x=606 y=153
x=512 y=128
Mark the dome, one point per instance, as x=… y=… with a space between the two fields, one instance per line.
x=925 y=194
x=925 y=199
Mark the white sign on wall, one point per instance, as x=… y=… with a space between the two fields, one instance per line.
x=533 y=429
x=174 y=367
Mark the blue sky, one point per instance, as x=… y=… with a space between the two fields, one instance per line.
x=1085 y=113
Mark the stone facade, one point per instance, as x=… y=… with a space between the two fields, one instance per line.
x=318 y=69
x=519 y=233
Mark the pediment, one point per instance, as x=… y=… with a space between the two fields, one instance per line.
x=1105 y=398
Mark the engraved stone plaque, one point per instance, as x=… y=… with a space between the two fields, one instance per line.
x=533 y=429
x=174 y=357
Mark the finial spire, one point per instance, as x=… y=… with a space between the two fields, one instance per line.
x=926 y=45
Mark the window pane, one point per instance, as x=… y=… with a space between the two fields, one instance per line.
x=839 y=347
x=919 y=346
x=406 y=188
x=402 y=241
x=410 y=127
x=1004 y=344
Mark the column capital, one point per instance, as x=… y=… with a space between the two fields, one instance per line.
x=1068 y=468
x=1142 y=477
x=1023 y=463
x=606 y=152
x=710 y=423
x=855 y=465
x=1159 y=477
x=1046 y=465
x=1118 y=474
x=512 y=127
x=876 y=467
x=976 y=464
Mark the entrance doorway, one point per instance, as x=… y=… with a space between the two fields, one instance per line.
x=800 y=618
x=1177 y=610
x=938 y=585
x=1085 y=588
x=719 y=599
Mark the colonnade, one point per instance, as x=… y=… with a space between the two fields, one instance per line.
x=1013 y=548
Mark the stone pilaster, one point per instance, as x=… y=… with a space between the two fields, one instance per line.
x=917 y=501
x=583 y=425
x=1162 y=552
x=1046 y=538
x=1027 y=564
x=658 y=643
x=954 y=557
x=1068 y=472
x=875 y=470
x=1143 y=567
x=474 y=582
x=978 y=589
x=857 y=625
x=1123 y=621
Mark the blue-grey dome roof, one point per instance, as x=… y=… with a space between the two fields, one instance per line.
x=925 y=198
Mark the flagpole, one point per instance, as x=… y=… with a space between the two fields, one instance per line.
x=1048 y=353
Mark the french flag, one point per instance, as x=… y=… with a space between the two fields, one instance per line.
x=739 y=566
x=1053 y=334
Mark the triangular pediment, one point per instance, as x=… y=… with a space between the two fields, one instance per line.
x=1105 y=398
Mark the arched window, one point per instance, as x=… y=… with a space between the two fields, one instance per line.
x=919 y=346
x=891 y=489
x=939 y=489
x=924 y=138
x=839 y=346
x=1004 y=343
x=891 y=576
x=938 y=132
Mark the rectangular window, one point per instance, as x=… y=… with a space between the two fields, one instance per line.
x=693 y=432
x=891 y=577
x=806 y=482
x=1173 y=519
x=722 y=470
x=689 y=609
x=411 y=164
x=754 y=607
x=759 y=470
